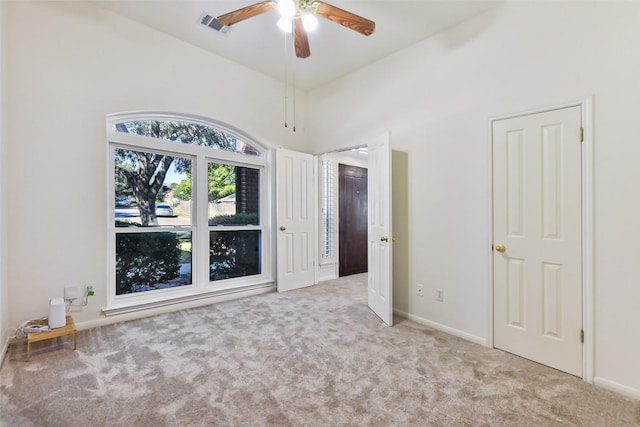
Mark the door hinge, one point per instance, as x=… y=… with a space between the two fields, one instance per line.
x=582 y=336
x=581 y=134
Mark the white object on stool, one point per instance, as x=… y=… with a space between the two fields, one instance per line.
x=57 y=315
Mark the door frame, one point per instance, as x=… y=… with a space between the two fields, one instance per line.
x=586 y=108
x=337 y=159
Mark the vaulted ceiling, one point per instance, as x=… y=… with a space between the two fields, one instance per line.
x=259 y=44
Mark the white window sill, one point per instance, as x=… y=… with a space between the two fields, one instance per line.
x=135 y=306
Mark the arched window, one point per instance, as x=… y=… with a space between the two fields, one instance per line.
x=188 y=208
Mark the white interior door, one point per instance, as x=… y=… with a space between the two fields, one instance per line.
x=379 y=231
x=294 y=184
x=537 y=239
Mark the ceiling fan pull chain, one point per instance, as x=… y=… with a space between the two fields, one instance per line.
x=286 y=85
x=302 y=16
x=293 y=77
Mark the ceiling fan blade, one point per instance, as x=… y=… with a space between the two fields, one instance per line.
x=344 y=18
x=236 y=16
x=300 y=39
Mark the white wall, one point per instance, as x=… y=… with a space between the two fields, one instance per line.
x=69 y=64
x=436 y=98
x=4 y=308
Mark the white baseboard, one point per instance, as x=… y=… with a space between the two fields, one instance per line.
x=631 y=392
x=3 y=351
x=401 y=313
x=325 y=278
x=443 y=328
x=139 y=314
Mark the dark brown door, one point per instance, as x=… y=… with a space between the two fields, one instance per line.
x=352 y=187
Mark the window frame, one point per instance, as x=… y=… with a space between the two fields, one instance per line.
x=200 y=156
x=330 y=191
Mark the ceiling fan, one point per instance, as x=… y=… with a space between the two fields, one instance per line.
x=298 y=17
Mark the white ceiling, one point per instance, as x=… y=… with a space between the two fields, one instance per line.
x=259 y=44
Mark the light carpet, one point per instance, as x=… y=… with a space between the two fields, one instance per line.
x=311 y=357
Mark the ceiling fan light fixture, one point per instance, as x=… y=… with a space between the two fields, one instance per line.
x=287 y=9
x=309 y=20
x=285 y=24
x=294 y=13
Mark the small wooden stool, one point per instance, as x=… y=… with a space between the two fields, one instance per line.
x=68 y=329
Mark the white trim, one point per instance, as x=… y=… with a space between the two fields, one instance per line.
x=440 y=327
x=316 y=203
x=490 y=207
x=188 y=301
x=271 y=240
x=340 y=159
x=267 y=187
x=3 y=352
x=588 y=227
x=631 y=392
x=143 y=143
x=327 y=277
x=4 y=137
x=586 y=108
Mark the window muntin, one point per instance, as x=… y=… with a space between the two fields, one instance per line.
x=245 y=262
x=187 y=133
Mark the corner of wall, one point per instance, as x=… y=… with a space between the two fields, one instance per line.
x=400 y=220
x=617 y=387
x=3 y=139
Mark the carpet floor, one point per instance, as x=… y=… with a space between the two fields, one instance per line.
x=311 y=357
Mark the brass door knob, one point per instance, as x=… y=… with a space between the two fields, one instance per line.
x=283 y=228
x=384 y=239
x=500 y=248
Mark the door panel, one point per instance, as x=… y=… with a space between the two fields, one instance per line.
x=537 y=181
x=352 y=188
x=380 y=293
x=294 y=183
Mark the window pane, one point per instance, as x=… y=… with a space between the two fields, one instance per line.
x=149 y=261
x=234 y=195
x=151 y=189
x=188 y=133
x=234 y=254
x=327 y=208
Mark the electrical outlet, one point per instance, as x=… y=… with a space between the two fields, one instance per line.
x=440 y=295
x=420 y=289
x=90 y=291
x=70 y=293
